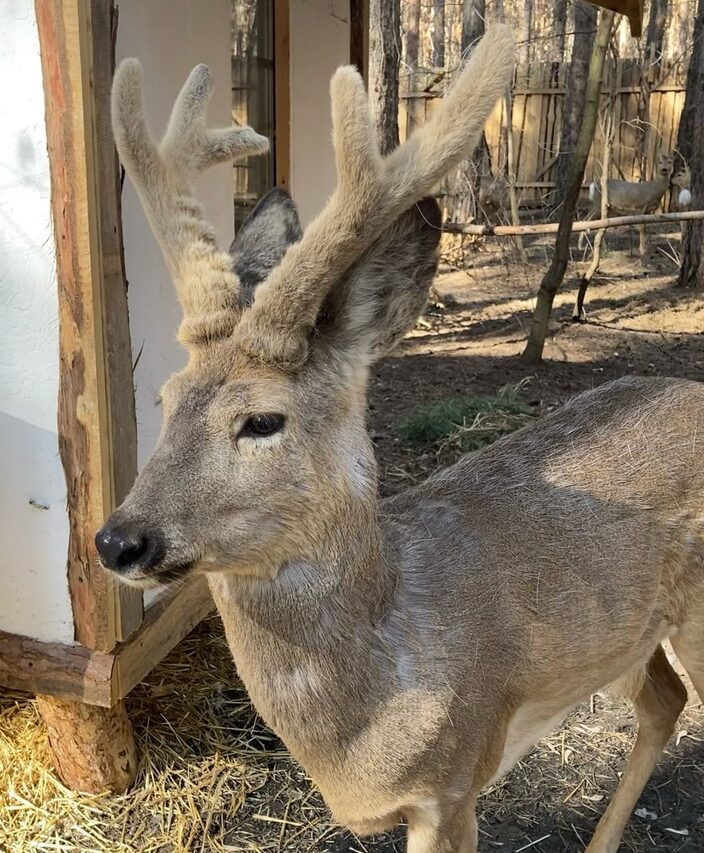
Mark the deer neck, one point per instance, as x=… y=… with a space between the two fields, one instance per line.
x=301 y=639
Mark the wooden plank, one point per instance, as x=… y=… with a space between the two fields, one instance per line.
x=122 y=420
x=68 y=672
x=169 y=619
x=83 y=419
x=282 y=93
x=104 y=678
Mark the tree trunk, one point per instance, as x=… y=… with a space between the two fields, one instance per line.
x=585 y=16
x=473 y=14
x=650 y=73
x=578 y=312
x=524 y=36
x=412 y=33
x=438 y=35
x=384 y=61
x=692 y=271
x=556 y=271
x=655 y=35
x=695 y=85
x=469 y=173
x=560 y=29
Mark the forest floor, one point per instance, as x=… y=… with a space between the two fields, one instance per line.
x=213 y=778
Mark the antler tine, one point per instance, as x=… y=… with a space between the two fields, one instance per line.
x=372 y=192
x=164 y=175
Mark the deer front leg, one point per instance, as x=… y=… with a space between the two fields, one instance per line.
x=434 y=828
x=643 y=240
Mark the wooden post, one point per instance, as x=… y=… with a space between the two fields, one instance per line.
x=282 y=93
x=93 y=748
x=97 y=428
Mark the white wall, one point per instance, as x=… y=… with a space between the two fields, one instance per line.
x=169 y=37
x=320 y=42
x=34 y=596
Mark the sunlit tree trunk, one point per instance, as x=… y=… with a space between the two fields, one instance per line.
x=585 y=16
x=438 y=33
x=575 y=175
x=650 y=73
x=412 y=32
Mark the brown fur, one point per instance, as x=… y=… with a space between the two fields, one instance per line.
x=408 y=651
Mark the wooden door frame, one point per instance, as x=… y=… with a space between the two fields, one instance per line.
x=96 y=411
x=282 y=93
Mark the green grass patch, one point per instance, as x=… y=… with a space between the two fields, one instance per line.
x=466 y=423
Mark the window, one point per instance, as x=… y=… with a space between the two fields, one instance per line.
x=253 y=97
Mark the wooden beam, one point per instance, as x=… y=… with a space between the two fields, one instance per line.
x=69 y=672
x=122 y=418
x=104 y=678
x=587 y=225
x=169 y=619
x=282 y=93
x=95 y=374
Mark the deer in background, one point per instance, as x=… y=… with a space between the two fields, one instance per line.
x=408 y=651
x=632 y=197
x=682 y=180
x=494 y=198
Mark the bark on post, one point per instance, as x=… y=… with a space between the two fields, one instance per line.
x=110 y=764
x=691 y=146
x=556 y=271
x=384 y=60
x=585 y=16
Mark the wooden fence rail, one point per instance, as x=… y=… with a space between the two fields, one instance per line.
x=585 y=225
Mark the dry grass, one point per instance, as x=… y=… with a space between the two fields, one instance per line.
x=213 y=778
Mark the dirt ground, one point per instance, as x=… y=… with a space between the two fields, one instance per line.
x=213 y=777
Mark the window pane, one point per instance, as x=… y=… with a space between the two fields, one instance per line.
x=253 y=96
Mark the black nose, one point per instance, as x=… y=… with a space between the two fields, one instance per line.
x=123 y=547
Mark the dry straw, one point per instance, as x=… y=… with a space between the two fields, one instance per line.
x=214 y=778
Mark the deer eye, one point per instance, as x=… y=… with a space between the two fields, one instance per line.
x=257 y=426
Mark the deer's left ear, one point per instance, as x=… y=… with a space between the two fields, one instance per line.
x=263 y=239
x=380 y=297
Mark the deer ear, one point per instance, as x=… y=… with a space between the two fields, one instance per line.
x=263 y=239
x=380 y=297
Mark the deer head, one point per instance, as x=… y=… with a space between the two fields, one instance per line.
x=264 y=447
x=665 y=166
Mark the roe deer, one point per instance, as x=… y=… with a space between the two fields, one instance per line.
x=408 y=651
x=494 y=198
x=683 y=181
x=625 y=197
